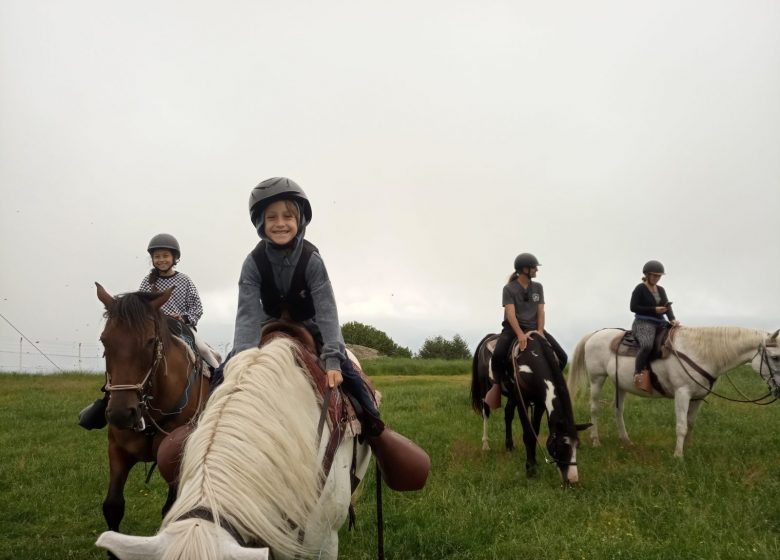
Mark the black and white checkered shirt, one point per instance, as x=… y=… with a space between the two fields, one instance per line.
x=184 y=301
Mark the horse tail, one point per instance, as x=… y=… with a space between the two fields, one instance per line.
x=478 y=385
x=577 y=366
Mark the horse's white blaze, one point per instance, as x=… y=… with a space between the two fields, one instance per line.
x=572 y=475
x=549 y=396
x=715 y=349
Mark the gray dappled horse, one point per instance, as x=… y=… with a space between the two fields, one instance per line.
x=696 y=357
x=541 y=389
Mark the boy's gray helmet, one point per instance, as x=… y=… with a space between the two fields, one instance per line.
x=164 y=241
x=653 y=267
x=525 y=260
x=277 y=188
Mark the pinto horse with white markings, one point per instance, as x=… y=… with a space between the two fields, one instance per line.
x=539 y=387
x=253 y=482
x=694 y=359
x=155 y=384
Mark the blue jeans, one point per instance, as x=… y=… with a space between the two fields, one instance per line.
x=357 y=388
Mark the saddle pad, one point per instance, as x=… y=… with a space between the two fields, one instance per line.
x=625 y=344
x=339 y=408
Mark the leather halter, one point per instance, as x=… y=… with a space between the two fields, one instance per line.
x=144 y=395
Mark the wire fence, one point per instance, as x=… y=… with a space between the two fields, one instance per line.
x=19 y=355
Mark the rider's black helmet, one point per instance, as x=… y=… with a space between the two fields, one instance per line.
x=653 y=267
x=164 y=241
x=277 y=188
x=525 y=260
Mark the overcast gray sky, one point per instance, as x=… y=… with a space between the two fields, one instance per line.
x=435 y=139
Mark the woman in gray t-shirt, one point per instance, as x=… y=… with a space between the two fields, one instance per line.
x=523 y=301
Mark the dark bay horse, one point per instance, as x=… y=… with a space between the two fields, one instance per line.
x=542 y=388
x=155 y=384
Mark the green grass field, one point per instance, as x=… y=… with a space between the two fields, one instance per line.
x=722 y=501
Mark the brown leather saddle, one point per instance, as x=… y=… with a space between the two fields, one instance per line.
x=625 y=344
x=403 y=464
x=339 y=410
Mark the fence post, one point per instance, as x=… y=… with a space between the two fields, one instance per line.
x=20 y=354
x=80 y=357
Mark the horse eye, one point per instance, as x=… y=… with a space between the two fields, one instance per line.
x=150 y=341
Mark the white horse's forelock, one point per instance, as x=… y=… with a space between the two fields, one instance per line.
x=260 y=473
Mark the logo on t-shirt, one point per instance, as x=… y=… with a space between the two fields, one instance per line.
x=535 y=298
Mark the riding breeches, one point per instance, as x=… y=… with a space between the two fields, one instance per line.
x=644 y=332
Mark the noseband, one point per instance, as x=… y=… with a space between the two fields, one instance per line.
x=139 y=387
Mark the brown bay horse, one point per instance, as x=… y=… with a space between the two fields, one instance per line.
x=155 y=384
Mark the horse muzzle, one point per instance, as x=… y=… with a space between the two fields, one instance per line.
x=126 y=417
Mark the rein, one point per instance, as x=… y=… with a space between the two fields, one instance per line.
x=761 y=349
x=547 y=459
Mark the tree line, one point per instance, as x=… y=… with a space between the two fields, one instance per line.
x=436 y=347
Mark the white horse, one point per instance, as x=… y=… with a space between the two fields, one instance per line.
x=714 y=350
x=252 y=464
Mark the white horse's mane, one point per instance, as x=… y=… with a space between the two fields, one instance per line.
x=722 y=346
x=252 y=460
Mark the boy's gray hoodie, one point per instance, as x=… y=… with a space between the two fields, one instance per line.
x=251 y=317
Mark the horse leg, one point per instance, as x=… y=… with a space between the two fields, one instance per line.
x=596 y=384
x=529 y=441
x=693 y=411
x=620 y=395
x=119 y=465
x=172 y=489
x=485 y=439
x=509 y=416
x=682 y=401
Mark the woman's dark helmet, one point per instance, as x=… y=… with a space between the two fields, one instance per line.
x=524 y=260
x=653 y=267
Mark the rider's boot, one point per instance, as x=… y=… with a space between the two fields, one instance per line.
x=93 y=417
x=642 y=381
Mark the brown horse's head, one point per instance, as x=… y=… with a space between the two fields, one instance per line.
x=133 y=339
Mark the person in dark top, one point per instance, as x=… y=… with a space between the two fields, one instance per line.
x=285 y=273
x=523 y=301
x=649 y=304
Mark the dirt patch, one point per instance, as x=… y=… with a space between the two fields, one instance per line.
x=363 y=352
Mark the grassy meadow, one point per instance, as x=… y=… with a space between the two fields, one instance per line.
x=722 y=501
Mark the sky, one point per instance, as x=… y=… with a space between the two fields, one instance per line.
x=436 y=140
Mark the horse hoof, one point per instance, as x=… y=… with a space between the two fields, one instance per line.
x=485 y=447
x=595 y=443
x=530 y=472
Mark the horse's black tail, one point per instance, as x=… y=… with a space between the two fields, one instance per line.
x=479 y=386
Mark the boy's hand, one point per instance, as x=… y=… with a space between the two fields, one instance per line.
x=334 y=378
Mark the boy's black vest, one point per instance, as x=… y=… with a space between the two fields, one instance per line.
x=298 y=301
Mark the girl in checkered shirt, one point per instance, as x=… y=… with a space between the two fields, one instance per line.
x=184 y=303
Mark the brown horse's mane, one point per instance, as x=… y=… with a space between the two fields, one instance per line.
x=133 y=309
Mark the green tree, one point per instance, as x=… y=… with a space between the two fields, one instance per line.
x=366 y=335
x=443 y=349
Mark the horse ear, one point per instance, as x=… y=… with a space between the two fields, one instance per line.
x=104 y=296
x=774 y=336
x=160 y=300
x=581 y=427
x=128 y=547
